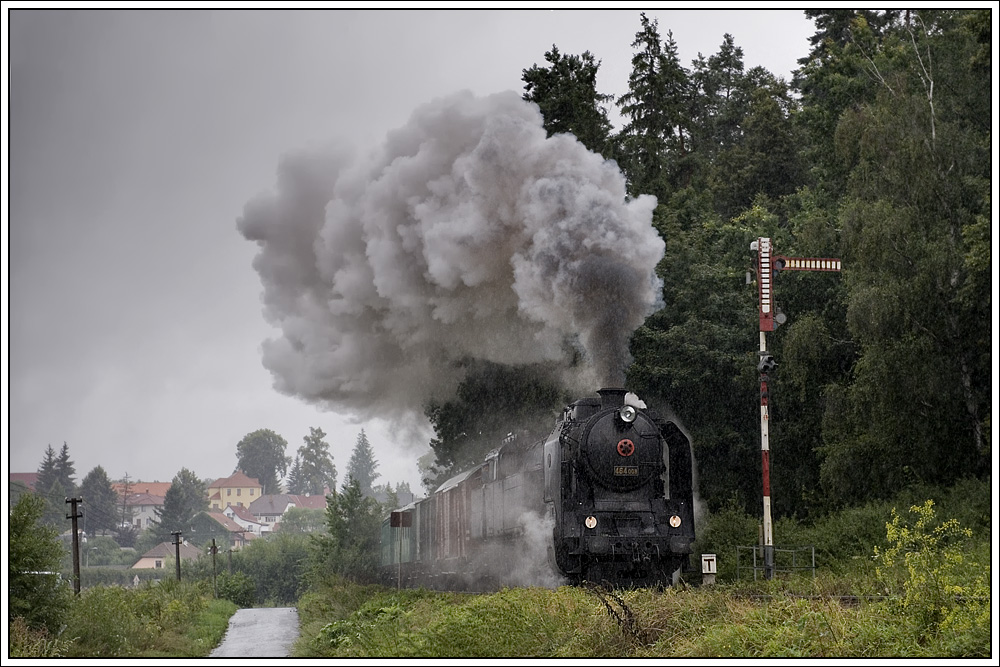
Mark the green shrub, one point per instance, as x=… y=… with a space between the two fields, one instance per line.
x=238 y=588
x=946 y=587
x=37 y=592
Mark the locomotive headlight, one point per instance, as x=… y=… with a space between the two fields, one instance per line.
x=675 y=521
x=628 y=414
x=590 y=521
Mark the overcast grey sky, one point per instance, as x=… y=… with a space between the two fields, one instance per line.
x=136 y=140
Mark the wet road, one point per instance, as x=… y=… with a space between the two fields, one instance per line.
x=259 y=633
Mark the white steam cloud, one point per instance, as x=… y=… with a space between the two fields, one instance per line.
x=467 y=235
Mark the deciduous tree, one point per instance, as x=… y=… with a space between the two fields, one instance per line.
x=261 y=455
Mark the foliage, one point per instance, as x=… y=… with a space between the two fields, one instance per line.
x=313 y=470
x=277 y=565
x=492 y=402
x=653 y=142
x=99 y=502
x=302 y=520
x=238 y=587
x=794 y=618
x=37 y=592
x=27 y=642
x=120 y=622
x=349 y=548
x=261 y=455
x=55 y=484
x=362 y=466
x=945 y=591
x=566 y=94
x=185 y=498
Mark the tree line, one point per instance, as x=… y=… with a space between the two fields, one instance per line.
x=876 y=152
x=260 y=455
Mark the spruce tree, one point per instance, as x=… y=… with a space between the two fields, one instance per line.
x=362 y=466
x=316 y=468
x=566 y=94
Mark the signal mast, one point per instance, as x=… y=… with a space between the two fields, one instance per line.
x=768 y=265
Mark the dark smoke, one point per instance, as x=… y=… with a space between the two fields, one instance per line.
x=467 y=235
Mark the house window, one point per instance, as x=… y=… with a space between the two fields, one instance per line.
x=229 y=492
x=251 y=492
x=158 y=564
x=238 y=491
x=240 y=504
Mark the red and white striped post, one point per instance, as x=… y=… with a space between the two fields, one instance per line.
x=767 y=266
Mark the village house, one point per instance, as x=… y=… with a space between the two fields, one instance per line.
x=270 y=508
x=142 y=509
x=237 y=489
x=244 y=518
x=142 y=500
x=164 y=553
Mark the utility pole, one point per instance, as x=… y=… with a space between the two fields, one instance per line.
x=769 y=317
x=177 y=551
x=74 y=515
x=214 y=550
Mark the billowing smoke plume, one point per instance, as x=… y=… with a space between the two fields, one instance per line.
x=468 y=235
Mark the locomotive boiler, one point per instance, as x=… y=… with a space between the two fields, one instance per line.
x=607 y=498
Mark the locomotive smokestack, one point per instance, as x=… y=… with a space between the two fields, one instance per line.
x=612 y=397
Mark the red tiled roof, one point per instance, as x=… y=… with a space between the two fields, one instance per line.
x=138 y=499
x=152 y=488
x=237 y=479
x=26 y=478
x=316 y=502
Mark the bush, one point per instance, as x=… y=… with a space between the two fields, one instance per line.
x=238 y=588
x=37 y=592
x=946 y=588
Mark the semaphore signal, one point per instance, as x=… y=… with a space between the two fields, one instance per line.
x=768 y=266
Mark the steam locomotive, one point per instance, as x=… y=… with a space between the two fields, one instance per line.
x=606 y=498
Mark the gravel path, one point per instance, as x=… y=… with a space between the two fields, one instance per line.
x=259 y=633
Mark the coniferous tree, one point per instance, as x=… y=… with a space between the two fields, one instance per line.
x=294 y=480
x=65 y=470
x=566 y=93
x=100 y=502
x=652 y=146
x=50 y=487
x=316 y=469
x=186 y=497
x=362 y=466
x=350 y=546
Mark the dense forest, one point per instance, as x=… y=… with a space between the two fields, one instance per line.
x=877 y=152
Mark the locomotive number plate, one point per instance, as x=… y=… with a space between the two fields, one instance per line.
x=627 y=471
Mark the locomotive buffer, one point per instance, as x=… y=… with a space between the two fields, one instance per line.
x=768 y=265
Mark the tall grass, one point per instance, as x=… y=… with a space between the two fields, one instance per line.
x=891 y=583
x=168 y=619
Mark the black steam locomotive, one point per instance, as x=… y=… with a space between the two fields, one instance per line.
x=607 y=498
